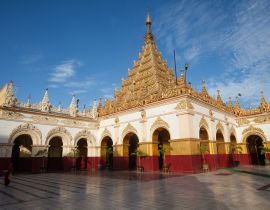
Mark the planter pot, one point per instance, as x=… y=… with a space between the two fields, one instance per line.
x=205 y=167
x=266 y=161
x=236 y=163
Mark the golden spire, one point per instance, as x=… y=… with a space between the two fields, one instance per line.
x=219 y=99
x=149 y=37
x=230 y=105
x=204 y=91
x=237 y=103
x=182 y=78
x=263 y=104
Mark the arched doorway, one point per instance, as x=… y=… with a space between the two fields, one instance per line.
x=21 y=153
x=55 y=154
x=81 y=161
x=203 y=135
x=162 y=137
x=233 y=153
x=220 y=142
x=254 y=144
x=107 y=152
x=132 y=141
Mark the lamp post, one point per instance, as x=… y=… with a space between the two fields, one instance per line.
x=186 y=69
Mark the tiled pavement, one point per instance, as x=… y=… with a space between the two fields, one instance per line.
x=221 y=189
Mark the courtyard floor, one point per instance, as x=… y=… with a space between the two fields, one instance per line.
x=239 y=188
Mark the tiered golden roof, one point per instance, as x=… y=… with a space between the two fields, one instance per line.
x=151 y=80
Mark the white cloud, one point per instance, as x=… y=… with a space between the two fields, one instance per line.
x=30 y=59
x=64 y=71
x=239 y=38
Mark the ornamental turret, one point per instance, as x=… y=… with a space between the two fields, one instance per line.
x=149 y=37
x=263 y=104
x=9 y=98
x=73 y=107
x=45 y=103
x=95 y=110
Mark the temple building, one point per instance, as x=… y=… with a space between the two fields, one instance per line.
x=153 y=122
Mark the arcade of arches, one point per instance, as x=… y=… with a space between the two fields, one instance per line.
x=219 y=153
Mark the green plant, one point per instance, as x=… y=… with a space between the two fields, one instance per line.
x=42 y=153
x=264 y=150
x=203 y=150
x=162 y=150
x=236 y=149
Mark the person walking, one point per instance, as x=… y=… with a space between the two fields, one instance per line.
x=8 y=174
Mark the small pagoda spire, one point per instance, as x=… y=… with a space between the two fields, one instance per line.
x=45 y=104
x=73 y=107
x=237 y=103
x=219 y=99
x=59 y=106
x=84 y=110
x=95 y=110
x=149 y=37
x=99 y=108
x=263 y=104
x=230 y=105
x=204 y=91
x=28 y=104
x=182 y=78
x=10 y=99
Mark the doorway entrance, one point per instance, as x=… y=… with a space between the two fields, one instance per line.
x=55 y=154
x=21 y=153
x=81 y=161
x=132 y=141
x=254 y=144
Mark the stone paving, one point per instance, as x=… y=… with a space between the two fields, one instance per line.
x=222 y=189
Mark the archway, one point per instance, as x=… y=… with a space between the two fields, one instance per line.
x=81 y=161
x=203 y=135
x=21 y=153
x=162 y=137
x=55 y=154
x=107 y=152
x=220 y=142
x=254 y=144
x=132 y=141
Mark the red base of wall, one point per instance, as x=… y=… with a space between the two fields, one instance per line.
x=177 y=163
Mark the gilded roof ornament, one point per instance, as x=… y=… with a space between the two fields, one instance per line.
x=73 y=107
x=45 y=104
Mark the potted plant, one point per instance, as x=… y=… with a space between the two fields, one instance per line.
x=74 y=153
x=140 y=154
x=235 y=150
x=42 y=153
x=204 y=150
x=162 y=150
x=264 y=151
x=109 y=153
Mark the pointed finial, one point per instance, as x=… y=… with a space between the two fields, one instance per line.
x=45 y=103
x=73 y=107
x=237 y=103
x=263 y=104
x=230 y=105
x=149 y=37
x=219 y=99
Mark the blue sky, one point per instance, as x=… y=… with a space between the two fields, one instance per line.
x=85 y=47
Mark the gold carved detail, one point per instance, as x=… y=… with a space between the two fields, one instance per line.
x=262 y=119
x=11 y=115
x=184 y=104
x=243 y=121
x=252 y=129
x=45 y=119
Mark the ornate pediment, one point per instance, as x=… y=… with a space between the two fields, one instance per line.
x=159 y=123
x=85 y=134
x=252 y=129
x=129 y=129
x=58 y=131
x=105 y=133
x=44 y=119
x=220 y=127
x=203 y=123
x=184 y=104
x=242 y=121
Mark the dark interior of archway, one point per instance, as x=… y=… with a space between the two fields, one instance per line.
x=219 y=136
x=109 y=153
x=254 y=147
x=133 y=145
x=21 y=162
x=203 y=134
x=55 y=154
x=81 y=161
x=163 y=137
x=233 y=139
